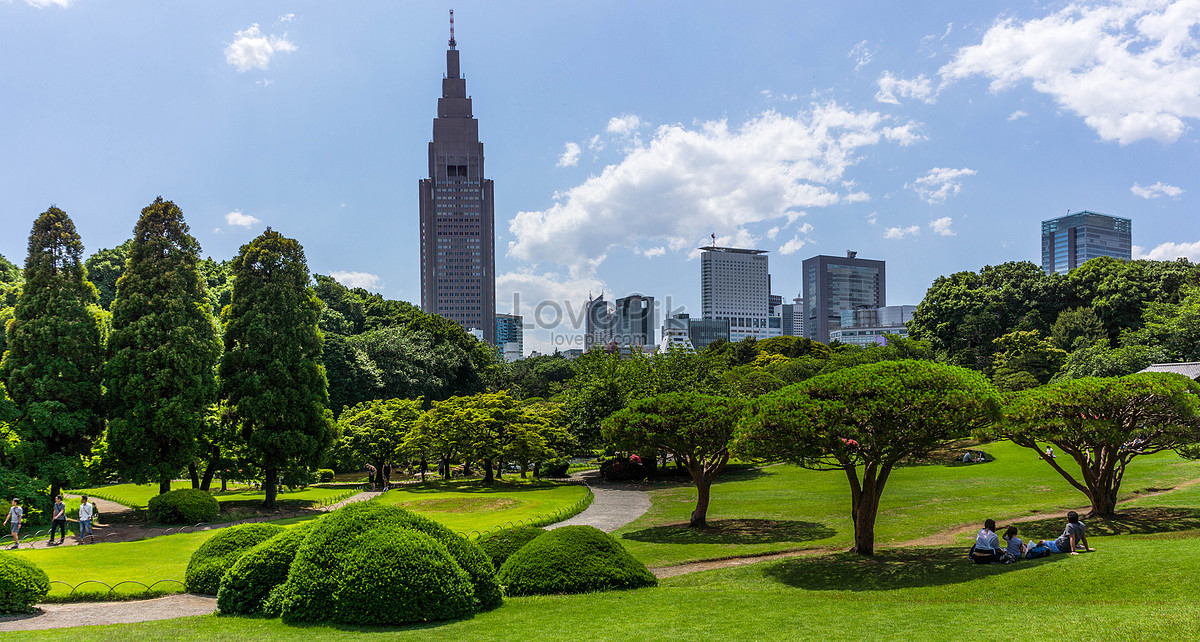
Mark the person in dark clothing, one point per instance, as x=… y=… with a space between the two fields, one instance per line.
x=59 y=520
x=1073 y=535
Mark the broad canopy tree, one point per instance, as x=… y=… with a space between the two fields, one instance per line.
x=52 y=367
x=377 y=430
x=864 y=421
x=160 y=377
x=696 y=429
x=1104 y=423
x=271 y=373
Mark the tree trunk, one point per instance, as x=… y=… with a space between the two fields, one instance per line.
x=164 y=484
x=214 y=460
x=487 y=472
x=444 y=468
x=1104 y=503
x=194 y=474
x=270 y=487
x=55 y=489
x=699 y=516
x=500 y=469
x=864 y=523
x=224 y=483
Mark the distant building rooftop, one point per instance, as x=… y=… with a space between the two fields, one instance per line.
x=1190 y=370
x=735 y=250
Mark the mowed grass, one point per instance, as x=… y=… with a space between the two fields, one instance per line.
x=1133 y=587
x=784 y=507
x=465 y=506
x=139 y=495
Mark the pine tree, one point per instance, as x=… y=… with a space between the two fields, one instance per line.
x=160 y=378
x=55 y=353
x=271 y=372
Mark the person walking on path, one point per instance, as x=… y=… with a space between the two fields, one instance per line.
x=14 y=520
x=59 y=520
x=87 y=511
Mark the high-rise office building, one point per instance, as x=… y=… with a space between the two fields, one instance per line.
x=458 y=277
x=866 y=326
x=836 y=283
x=634 y=322
x=735 y=287
x=510 y=335
x=598 y=323
x=1070 y=240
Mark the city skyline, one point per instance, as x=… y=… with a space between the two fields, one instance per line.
x=935 y=139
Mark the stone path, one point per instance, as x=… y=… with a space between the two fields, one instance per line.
x=613 y=505
x=58 y=616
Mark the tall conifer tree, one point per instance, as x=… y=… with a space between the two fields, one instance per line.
x=271 y=372
x=160 y=378
x=55 y=352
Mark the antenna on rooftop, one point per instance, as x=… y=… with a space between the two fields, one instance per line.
x=452 y=43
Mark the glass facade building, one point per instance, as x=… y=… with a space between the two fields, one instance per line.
x=1069 y=241
x=510 y=335
x=833 y=284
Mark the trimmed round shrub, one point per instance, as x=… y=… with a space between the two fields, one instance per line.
x=22 y=584
x=325 y=475
x=499 y=546
x=573 y=559
x=221 y=551
x=183 y=506
x=248 y=582
x=323 y=582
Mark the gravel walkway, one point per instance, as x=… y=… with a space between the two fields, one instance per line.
x=58 y=616
x=613 y=505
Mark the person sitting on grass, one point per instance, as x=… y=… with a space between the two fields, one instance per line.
x=14 y=518
x=1073 y=535
x=987 y=544
x=1016 y=548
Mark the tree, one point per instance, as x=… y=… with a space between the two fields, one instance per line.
x=353 y=377
x=864 y=421
x=1174 y=328
x=1024 y=359
x=10 y=291
x=541 y=376
x=694 y=428
x=271 y=372
x=1118 y=291
x=1076 y=328
x=52 y=367
x=377 y=430
x=1102 y=424
x=105 y=268
x=1099 y=360
x=160 y=377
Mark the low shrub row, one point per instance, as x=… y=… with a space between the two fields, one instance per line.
x=183 y=506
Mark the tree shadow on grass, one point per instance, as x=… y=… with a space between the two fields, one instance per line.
x=1131 y=521
x=889 y=569
x=734 y=531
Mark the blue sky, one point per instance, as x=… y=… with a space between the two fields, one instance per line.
x=620 y=135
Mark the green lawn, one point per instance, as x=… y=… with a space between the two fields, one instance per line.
x=466 y=506
x=784 y=507
x=1134 y=587
x=138 y=495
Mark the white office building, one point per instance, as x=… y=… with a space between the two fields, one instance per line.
x=735 y=286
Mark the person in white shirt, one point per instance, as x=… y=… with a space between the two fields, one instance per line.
x=14 y=521
x=87 y=511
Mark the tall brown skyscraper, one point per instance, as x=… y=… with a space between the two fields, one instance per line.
x=458 y=259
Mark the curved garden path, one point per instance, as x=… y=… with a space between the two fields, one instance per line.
x=613 y=505
x=59 y=616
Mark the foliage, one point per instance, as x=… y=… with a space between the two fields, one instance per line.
x=695 y=429
x=864 y=421
x=353 y=377
x=1099 y=360
x=246 y=584
x=573 y=559
x=540 y=376
x=1103 y=424
x=9 y=273
x=325 y=475
x=500 y=545
x=1118 y=291
x=1076 y=328
x=412 y=364
x=33 y=493
x=52 y=367
x=794 y=347
x=163 y=351
x=215 y=556
x=105 y=268
x=183 y=506
x=1172 y=327
x=271 y=374
x=1024 y=359
x=22 y=584
x=376 y=430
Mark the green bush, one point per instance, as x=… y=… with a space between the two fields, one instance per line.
x=499 y=546
x=325 y=475
x=222 y=551
x=351 y=567
x=573 y=559
x=22 y=584
x=183 y=506
x=248 y=582
x=33 y=493
x=554 y=468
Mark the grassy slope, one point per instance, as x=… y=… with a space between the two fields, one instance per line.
x=1133 y=587
x=468 y=506
x=807 y=509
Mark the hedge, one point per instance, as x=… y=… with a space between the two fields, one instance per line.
x=248 y=582
x=183 y=506
x=221 y=551
x=22 y=584
x=502 y=544
x=573 y=559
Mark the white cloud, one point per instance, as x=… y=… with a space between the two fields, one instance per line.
x=624 y=125
x=237 y=219
x=253 y=50
x=940 y=183
x=570 y=155
x=686 y=183
x=552 y=305
x=655 y=251
x=862 y=55
x=1129 y=68
x=901 y=232
x=364 y=280
x=1017 y=115
x=770 y=95
x=892 y=89
x=1169 y=252
x=265 y=82
x=287 y=17
x=873 y=218
x=798 y=241
x=41 y=4
x=1156 y=190
x=941 y=226
x=596 y=143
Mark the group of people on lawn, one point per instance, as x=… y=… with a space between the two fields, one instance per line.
x=58 y=523
x=987 y=549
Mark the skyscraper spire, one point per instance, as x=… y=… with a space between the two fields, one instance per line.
x=452 y=43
